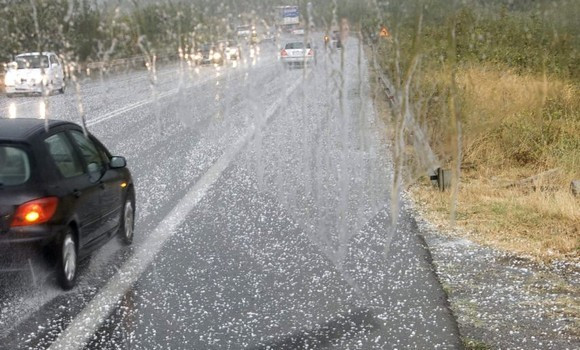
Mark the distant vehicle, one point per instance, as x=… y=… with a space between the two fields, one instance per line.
x=232 y=51
x=61 y=193
x=209 y=54
x=254 y=40
x=33 y=73
x=298 y=31
x=268 y=36
x=288 y=17
x=244 y=31
x=297 y=54
x=198 y=56
x=336 y=42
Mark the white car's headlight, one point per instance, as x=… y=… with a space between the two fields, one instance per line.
x=9 y=79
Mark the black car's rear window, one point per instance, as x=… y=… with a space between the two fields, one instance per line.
x=14 y=166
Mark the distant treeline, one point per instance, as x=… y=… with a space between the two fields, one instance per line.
x=99 y=30
x=96 y=30
x=532 y=36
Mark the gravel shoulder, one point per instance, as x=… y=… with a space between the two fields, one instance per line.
x=501 y=300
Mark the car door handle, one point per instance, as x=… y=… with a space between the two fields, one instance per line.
x=77 y=193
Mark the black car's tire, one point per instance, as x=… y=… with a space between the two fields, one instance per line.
x=67 y=261
x=127 y=228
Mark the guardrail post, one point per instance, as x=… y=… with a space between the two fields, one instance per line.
x=575 y=188
x=441 y=178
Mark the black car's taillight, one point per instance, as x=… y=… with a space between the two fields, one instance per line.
x=35 y=212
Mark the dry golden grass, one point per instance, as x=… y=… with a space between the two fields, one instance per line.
x=525 y=119
x=514 y=127
x=493 y=94
x=542 y=225
x=540 y=220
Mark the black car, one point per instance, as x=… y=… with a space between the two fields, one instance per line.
x=61 y=193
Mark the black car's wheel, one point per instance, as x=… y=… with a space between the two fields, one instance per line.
x=127 y=229
x=67 y=260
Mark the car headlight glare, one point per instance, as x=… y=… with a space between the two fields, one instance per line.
x=9 y=79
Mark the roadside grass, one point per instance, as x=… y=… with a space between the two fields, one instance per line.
x=496 y=93
x=519 y=121
x=515 y=126
x=535 y=224
x=540 y=219
x=495 y=90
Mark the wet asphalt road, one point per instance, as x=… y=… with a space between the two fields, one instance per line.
x=264 y=219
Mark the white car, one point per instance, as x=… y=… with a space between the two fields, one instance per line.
x=232 y=51
x=244 y=31
x=297 y=54
x=34 y=73
x=298 y=31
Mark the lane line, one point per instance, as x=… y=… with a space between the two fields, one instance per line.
x=126 y=108
x=172 y=92
x=88 y=321
x=141 y=103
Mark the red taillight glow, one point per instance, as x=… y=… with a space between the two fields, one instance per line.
x=35 y=212
x=283 y=53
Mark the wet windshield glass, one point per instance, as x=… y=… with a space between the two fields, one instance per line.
x=284 y=174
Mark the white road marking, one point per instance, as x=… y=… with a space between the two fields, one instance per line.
x=87 y=322
x=138 y=104
x=127 y=108
x=124 y=109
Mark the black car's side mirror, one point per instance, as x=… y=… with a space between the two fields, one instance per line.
x=118 y=162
